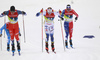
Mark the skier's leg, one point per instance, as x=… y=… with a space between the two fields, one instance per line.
x=66 y=27
x=17 y=38
x=70 y=32
x=52 y=42
x=11 y=31
x=8 y=43
x=52 y=36
x=18 y=46
x=12 y=39
x=13 y=46
x=46 y=42
x=47 y=36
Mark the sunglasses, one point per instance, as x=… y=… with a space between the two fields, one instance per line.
x=68 y=7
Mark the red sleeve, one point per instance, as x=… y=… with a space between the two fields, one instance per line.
x=41 y=10
x=74 y=13
x=60 y=12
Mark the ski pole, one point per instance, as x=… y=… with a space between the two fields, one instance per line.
x=61 y=29
x=1 y=42
x=4 y=25
x=24 y=29
x=62 y=34
x=42 y=28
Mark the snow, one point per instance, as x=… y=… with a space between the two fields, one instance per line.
x=87 y=24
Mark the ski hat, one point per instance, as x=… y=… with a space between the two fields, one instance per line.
x=12 y=8
x=68 y=6
x=49 y=10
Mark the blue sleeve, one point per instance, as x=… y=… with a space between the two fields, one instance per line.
x=19 y=12
x=38 y=14
x=63 y=12
x=7 y=12
x=3 y=27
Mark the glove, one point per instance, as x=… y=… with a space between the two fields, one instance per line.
x=38 y=14
x=61 y=17
x=0 y=35
x=19 y=34
x=23 y=12
x=76 y=18
x=4 y=13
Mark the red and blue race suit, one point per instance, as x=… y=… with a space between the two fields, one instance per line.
x=5 y=27
x=13 y=23
x=68 y=24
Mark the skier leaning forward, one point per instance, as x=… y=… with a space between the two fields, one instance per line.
x=49 y=15
x=13 y=25
x=68 y=24
x=5 y=27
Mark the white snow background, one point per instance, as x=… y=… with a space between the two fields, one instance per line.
x=88 y=23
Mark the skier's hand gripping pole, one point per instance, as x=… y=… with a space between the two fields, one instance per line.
x=76 y=19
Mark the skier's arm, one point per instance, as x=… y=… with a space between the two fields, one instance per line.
x=41 y=12
x=21 y=12
x=61 y=14
x=4 y=13
x=3 y=27
x=75 y=15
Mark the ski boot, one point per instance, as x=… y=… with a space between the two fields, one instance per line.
x=66 y=44
x=8 y=47
x=71 y=44
x=52 y=46
x=13 y=49
x=18 y=47
x=46 y=46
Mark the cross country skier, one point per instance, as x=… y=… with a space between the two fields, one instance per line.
x=68 y=24
x=49 y=15
x=13 y=25
x=5 y=26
